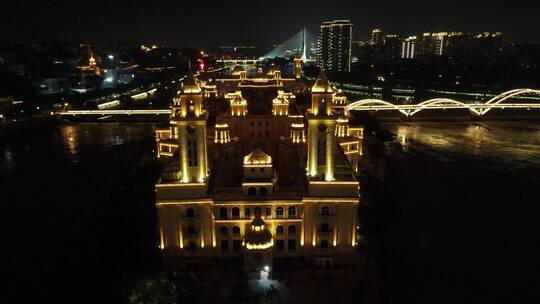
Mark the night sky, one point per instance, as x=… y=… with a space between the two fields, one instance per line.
x=212 y=23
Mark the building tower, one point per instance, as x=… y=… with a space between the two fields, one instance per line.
x=280 y=104
x=342 y=127
x=321 y=131
x=189 y=126
x=222 y=135
x=334 y=46
x=377 y=37
x=92 y=63
x=238 y=103
x=298 y=132
x=259 y=246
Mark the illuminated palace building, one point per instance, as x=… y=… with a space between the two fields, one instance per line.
x=265 y=180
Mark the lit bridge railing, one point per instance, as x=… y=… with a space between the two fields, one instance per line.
x=115 y=112
x=480 y=109
x=239 y=61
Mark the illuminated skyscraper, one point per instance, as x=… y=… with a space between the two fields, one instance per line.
x=434 y=44
x=392 y=47
x=377 y=37
x=408 y=48
x=334 y=49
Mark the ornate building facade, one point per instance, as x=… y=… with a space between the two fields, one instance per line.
x=268 y=180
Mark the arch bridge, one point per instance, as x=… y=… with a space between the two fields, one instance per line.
x=477 y=108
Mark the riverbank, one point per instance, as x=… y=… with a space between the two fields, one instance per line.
x=22 y=127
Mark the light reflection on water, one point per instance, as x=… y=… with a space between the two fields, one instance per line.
x=68 y=145
x=517 y=142
x=70 y=138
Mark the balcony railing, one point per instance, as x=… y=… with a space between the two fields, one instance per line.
x=274 y=216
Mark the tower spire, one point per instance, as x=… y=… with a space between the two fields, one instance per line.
x=304 y=46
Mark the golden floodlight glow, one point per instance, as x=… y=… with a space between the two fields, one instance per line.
x=260 y=246
x=257 y=157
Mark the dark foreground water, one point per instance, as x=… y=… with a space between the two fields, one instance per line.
x=77 y=201
x=468 y=204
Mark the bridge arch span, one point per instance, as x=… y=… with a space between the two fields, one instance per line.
x=438 y=103
x=507 y=95
x=374 y=102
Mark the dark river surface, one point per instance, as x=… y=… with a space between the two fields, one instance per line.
x=467 y=198
x=78 y=200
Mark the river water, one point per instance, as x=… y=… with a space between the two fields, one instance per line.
x=76 y=226
x=515 y=144
x=467 y=204
x=467 y=195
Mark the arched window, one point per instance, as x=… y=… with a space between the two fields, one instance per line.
x=190 y=212
x=190 y=229
x=324 y=227
x=292 y=229
x=322 y=107
x=325 y=211
x=223 y=212
x=324 y=244
x=258 y=211
x=263 y=191
x=279 y=229
x=223 y=230
x=235 y=212
x=280 y=211
x=192 y=246
x=252 y=191
x=236 y=230
x=247 y=212
x=292 y=211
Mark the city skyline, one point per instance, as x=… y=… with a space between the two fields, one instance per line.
x=183 y=24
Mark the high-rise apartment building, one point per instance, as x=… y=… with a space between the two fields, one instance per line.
x=392 y=47
x=434 y=44
x=409 y=47
x=377 y=37
x=334 y=49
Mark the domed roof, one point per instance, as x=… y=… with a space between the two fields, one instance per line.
x=258 y=237
x=191 y=85
x=322 y=85
x=238 y=99
x=339 y=94
x=257 y=157
x=280 y=99
x=257 y=221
